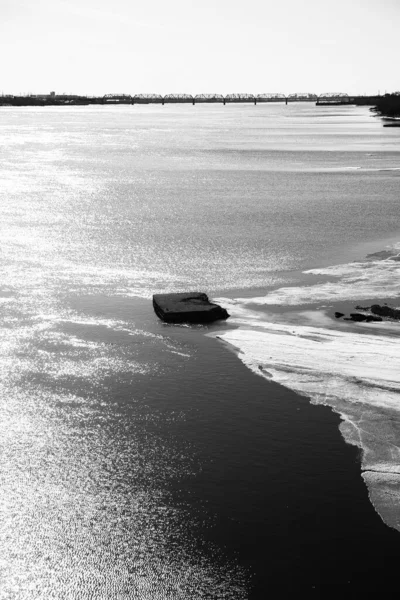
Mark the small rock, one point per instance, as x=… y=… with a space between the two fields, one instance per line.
x=358 y=317
x=338 y=315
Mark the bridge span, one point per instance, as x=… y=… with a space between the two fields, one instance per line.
x=181 y=98
x=201 y=98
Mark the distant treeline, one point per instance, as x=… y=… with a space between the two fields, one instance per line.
x=389 y=105
x=49 y=101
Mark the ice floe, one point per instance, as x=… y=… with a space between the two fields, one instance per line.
x=352 y=368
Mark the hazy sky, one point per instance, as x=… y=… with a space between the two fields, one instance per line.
x=224 y=46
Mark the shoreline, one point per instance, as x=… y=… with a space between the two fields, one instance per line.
x=265 y=325
x=291 y=335
x=337 y=533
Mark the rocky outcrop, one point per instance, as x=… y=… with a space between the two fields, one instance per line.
x=360 y=317
x=188 y=307
x=370 y=314
x=385 y=311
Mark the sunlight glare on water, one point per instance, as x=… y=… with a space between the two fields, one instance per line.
x=99 y=209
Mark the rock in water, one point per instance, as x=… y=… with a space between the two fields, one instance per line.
x=361 y=317
x=386 y=311
x=358 y=317
x=188 y=307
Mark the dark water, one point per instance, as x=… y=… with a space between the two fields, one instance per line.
x=286 y=493
x=201 y=480
x=140 y=460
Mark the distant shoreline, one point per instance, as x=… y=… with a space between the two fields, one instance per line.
x=389 y=106
x=125 y=99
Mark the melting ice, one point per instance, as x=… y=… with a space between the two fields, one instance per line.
x=352 y=368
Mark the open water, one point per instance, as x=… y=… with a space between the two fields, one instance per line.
x=140 y=460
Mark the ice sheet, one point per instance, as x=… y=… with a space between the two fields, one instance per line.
x=353 y=369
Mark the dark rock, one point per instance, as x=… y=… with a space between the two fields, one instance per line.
x=358 y=317
x=385 y=311
x=362 y=307
x=338 y=315
x=188 y=307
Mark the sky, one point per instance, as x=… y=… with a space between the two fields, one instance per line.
x=203 y=46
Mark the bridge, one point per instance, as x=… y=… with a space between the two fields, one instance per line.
x=302 y=97
x=333 y=98
x=181 y=98
x=329 y=98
